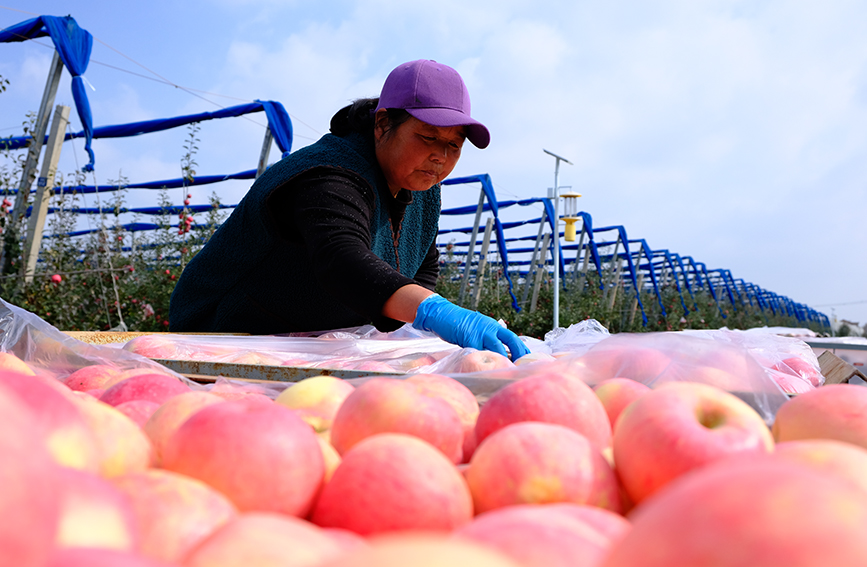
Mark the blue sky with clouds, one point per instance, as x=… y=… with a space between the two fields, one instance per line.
x=731 y=131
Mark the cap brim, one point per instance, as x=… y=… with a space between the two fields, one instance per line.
x=477 y=133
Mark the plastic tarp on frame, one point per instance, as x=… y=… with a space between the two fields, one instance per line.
x=491 y=197
x=278 y=122
x=73 y=45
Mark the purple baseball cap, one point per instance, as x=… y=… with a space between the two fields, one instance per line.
x=433 y=93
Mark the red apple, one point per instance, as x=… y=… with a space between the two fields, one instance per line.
x=626 y=355
x=392 y=482
x=54 y=384
x=549 y=398
x=472 y=360
x=130 y=372
x=801 y=368
x=416 y=360
x=833 y=458
x=95 y=557
x=388 y=405
x=94 y=514
x=174 y=512
x=678 y=427
x=69 y=440
x=138 y=410
x=93 y=377
x=252 y=357
x=617 y=393
x=422 y=550
x=172 y=414
x=151 y=387
x=265 y=539
x=789 y=383
x=534 y=357
x=31 y=489
x=122 y=446
x=263 y=457
x=329 y=454
x=540 y=463
x=11 y=363
x=316 y=399
x=547 y=536
x=240 y=391
x=611 y=525
x=755 y=512
x=155 y=346
x=835 y=411
x=373 y=366
x=456 y=395
x=347 y=540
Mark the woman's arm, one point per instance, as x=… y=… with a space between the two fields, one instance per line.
x=329 y=213
x=404 y=302
x=429 y=270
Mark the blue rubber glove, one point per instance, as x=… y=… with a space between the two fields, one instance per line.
x=466 y=328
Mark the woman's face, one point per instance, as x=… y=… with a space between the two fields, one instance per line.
x=416 y=155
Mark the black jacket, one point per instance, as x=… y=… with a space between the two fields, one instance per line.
x=317 y=243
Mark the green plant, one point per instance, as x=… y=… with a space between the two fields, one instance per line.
x=110 y=278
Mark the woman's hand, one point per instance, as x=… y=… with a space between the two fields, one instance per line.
x=466 y=328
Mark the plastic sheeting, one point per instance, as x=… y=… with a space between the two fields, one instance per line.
x=51 y=353
x=73 y=44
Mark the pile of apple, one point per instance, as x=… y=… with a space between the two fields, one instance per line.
x=141 y=470
x=747 y=361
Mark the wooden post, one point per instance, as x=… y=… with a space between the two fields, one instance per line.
x=483 y=262
x=585 y=264
x=578 y=252
x=33 y=151
x=38 y=139
x=541 y=272
x=45 y=187
x=266 y=151
x=617 y=282
x=635 y=301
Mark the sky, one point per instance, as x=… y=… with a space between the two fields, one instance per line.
x=730 y=131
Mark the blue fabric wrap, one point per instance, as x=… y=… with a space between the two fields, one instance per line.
x=247 y=279
x=278 y=121
x=281 y=126
x=73 y=44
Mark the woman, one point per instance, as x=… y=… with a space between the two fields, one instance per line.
x=343 y=232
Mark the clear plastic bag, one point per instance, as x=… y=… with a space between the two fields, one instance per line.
x=789 y=361
x=363 y=349
x=656 y=358
x=49 y=352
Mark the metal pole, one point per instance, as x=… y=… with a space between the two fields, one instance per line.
x=541 y=272
x=556 y=198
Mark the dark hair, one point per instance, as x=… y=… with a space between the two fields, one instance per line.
x=359 y=117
